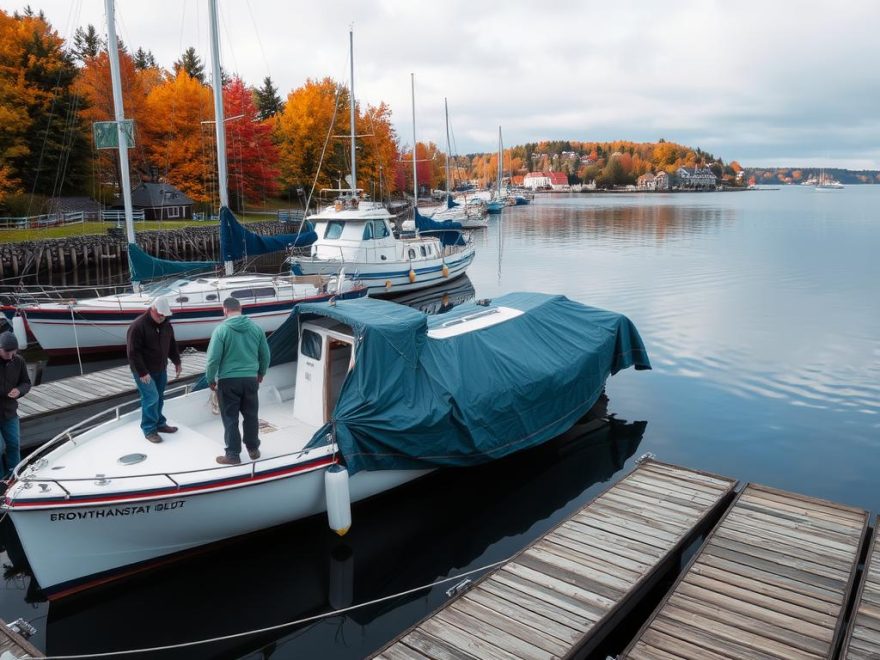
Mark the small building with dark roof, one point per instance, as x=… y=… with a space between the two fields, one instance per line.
x=162 y=201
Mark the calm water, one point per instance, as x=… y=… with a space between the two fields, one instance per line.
x=760 y=314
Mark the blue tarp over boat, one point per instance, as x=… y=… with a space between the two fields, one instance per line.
x=448 y=231
x=414 y=401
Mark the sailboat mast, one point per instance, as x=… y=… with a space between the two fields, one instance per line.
x=351 y=113
x=220 y=124
x=500 y=157
x=448 y=150
x=412 y=78
x=119 y=115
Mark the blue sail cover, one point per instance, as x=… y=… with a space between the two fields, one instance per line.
x=451 y=203
x=237 y=242
x=447 y=231
x=145 y=267
x=414 y=402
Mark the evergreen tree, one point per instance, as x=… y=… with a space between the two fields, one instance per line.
x=269 y=103
x=87 y=43
x=144 y=60
x=191 y=64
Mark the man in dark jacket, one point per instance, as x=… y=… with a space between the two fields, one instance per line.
x=14 y=384
x=150 y=344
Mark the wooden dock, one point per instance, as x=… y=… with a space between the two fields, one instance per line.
x=863 y=634
x=49 y=409
x=13 y=645
x=771 y=580
x=565 y=592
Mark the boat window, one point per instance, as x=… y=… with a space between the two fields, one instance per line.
x=423 y=251
x=368 y=231
x=380 y=229
x=412 y=253
x=211 y=296
x=310 y=344
x=263 y=292
x=431 y=250
x=334 y=229
x=181 y=299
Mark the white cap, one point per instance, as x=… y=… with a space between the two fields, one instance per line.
x=161 y=305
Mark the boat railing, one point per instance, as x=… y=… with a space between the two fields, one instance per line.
x=73 y=434
x=170 y=476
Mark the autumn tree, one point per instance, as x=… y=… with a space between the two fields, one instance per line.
x=42 y=138
x=268 y=102
x=380 y=153
x=94 y=84
x=191 y=64
x=179 y=145
x=251 y=155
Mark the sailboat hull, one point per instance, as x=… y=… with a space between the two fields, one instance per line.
x=101 y=324
x=119 y=537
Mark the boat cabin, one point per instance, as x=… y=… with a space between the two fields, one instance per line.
x=324 y=358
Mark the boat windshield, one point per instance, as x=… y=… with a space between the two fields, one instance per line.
x=334 y=229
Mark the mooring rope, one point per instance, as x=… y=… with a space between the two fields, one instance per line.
x=280 y=626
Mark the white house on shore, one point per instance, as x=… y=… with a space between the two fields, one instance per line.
x=699 y=178
x=651 y=181
x=546 y=181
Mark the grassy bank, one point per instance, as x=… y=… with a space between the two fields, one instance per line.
x=97 y=228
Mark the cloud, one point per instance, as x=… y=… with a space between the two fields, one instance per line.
x=761 y=83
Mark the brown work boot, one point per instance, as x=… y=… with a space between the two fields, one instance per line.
x=228 y=460
x=165 y=428
x=154 y=437
x=254 y=454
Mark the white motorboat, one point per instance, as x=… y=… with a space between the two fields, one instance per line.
x=355 y=233
x=367 y=388
x=93 y=325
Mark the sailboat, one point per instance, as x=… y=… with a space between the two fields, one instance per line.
x=497 y=203
x=469 y=215
x=827 y=182
x=355 y=233
x=99 y=324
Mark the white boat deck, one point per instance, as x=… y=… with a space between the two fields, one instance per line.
x=183 y=458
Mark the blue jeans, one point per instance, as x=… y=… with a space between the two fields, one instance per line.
x=152 y=399
x=10 y=440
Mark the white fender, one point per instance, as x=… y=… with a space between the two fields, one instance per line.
x=19 y=331
x=338 y=499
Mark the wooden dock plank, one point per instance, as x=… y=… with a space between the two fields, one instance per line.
x=15 y=645
x=773 y=578
x=565 y=592
x=862 y=638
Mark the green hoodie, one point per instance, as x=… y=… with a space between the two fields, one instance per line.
x=238 y=349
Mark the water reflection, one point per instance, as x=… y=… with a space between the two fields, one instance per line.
x=440 y=298
x=441 y=525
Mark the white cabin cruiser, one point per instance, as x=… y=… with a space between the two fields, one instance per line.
x=355 y=233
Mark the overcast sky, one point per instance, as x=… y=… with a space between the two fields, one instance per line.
x=765 y=83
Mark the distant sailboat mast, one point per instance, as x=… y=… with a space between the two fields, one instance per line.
x=448 y=151
x=119 y=115
x=220 y=125
x=351 y=113
x=412 y=78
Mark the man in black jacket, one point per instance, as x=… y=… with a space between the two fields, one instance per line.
x=150 y=344
x=14 y=384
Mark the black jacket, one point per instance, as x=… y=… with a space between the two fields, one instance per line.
x=150 y=345
x=13 y=373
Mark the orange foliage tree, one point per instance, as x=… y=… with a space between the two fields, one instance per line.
x=94 y=84
x=320 y=109
x=179 y=145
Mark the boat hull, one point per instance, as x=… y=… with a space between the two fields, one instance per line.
x=391 y=278
x=108 y=540
x=63 y=330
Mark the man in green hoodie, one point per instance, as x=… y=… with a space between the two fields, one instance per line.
x=238 y=357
